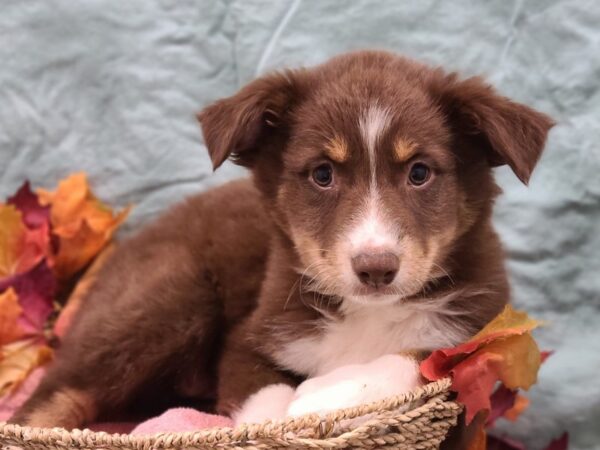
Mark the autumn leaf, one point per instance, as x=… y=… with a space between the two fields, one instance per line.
x=508 y=322
x=18 y=359
x=503 y=351
x=83 y=224
x=21 y=248
x=12 y=232
x=34 y=214
x=10 y=311
x=505 y=403
x=502 y=400
x=520 y=405
x=545 y=355
x=35 y=290
x=479 y=441
x=514 y=361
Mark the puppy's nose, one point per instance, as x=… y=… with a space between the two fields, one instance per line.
x=376 y=269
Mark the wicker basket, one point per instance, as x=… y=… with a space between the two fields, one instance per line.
x=416 y=420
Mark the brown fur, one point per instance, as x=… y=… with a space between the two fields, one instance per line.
x=206 y=295
x=68 y=407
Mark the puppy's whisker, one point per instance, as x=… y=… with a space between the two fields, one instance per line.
x=291 y=292
x=445 y=272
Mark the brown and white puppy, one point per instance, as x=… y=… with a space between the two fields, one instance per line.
x=365 y=231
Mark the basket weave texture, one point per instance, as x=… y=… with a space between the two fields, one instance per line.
x=417 y=420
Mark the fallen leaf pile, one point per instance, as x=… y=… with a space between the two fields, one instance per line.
x=488 y=370
x=45 y=240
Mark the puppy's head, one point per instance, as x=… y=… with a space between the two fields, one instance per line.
x=374 y=165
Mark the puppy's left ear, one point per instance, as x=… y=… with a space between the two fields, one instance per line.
x=240 y=125
x=511 y=133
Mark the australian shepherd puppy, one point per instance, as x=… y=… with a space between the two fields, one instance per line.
x=364 y=237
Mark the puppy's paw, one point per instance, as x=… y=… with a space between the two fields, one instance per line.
x=65 y=407
x=354 y=385
x=271 y=402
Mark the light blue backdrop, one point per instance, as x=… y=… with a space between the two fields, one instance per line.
x=110 y=87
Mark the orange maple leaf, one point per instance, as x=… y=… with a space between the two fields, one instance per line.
x=21 y=248
x=10 y=311
x=82 y=222
x=503 y=351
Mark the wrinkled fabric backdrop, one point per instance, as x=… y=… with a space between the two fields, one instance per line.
x=111 y=88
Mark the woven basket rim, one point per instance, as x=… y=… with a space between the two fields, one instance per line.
x=271 y=429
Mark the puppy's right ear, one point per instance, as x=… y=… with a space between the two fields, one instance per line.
x=236 y=127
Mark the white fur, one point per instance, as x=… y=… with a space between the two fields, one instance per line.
x=356 y=384
x=344 y=387
x=372 y=125
x=366 y=332
x=373 y=230
x=271 y=402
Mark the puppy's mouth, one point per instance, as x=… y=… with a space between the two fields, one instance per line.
x=375 y=292
x=362 y=294
x=388 y=294
x=374 y=300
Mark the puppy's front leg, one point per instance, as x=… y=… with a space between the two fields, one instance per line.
x=251 y=389
x=356 y=384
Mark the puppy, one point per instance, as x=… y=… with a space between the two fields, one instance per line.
x=365 y=231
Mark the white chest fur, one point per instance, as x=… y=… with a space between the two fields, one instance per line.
x=364 y=334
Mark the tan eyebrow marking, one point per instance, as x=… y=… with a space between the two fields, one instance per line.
x=337 y=149
x=404 y=150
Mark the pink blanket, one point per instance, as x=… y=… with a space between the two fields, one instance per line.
x=173 y=420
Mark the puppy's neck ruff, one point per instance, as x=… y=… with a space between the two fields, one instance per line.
x=364 y=333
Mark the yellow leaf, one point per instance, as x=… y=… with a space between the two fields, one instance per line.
x=12 y=233
x=10 y=311
x=18 y=359
x=507 y=323
x=519 y=360
x=21 y=249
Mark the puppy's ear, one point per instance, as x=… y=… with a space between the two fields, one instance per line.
x=511 y=133
x=237 y=126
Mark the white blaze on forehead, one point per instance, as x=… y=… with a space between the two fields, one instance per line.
x=373 y=124
x=374 y=230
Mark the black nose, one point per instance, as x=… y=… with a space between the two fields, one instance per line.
x=376 y=269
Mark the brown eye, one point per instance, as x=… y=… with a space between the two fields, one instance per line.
x=323 y=175
x=419 y=174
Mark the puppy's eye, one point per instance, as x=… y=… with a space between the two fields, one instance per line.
x=419 y=174
x=323 y=175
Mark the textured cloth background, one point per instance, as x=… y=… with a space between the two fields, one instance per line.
x=111 y=88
